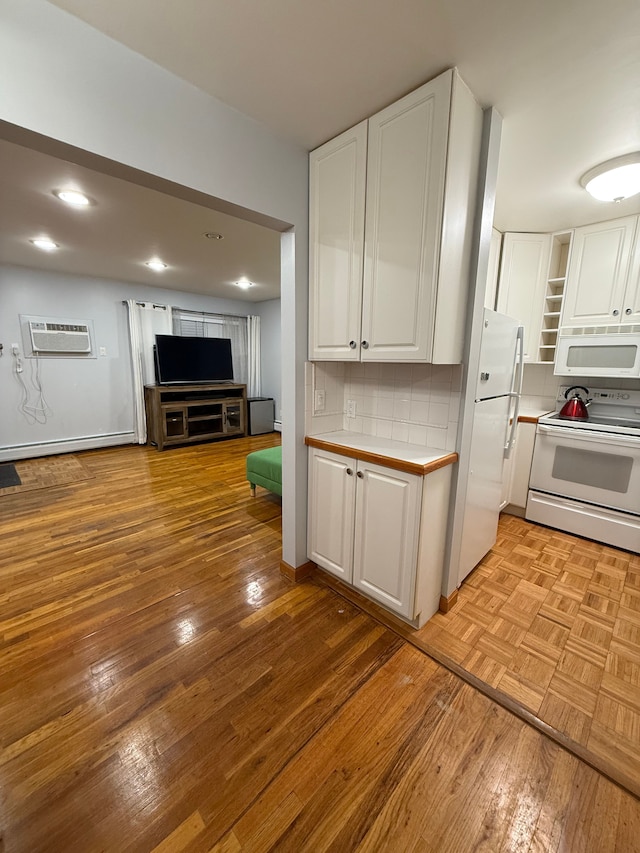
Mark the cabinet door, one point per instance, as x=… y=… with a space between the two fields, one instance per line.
x=174 y=422
x=336 y=245
x=406 y=164
x=517 y=468
x=631 y=304
x=234 y=418
x=386 y=539
x=332 y=495
x=598 y=272
x=521 y=471
x=523 y=280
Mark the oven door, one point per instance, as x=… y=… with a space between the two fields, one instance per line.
x=597 y=468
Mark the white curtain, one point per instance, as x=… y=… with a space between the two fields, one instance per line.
x=254 y=383
x=146 y=320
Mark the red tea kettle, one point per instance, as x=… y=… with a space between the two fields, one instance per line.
x=575 y=409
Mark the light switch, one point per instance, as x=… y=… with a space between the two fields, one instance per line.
x=319 y=401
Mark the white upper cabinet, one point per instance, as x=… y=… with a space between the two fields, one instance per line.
x=631 y=304
x=523 y=280
x=407 y=180
x=601 y=288
x=405 y=189
x=336 y=222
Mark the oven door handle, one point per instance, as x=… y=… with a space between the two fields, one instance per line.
x=610 y=438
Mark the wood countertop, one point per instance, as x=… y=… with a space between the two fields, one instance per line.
x=410 y=458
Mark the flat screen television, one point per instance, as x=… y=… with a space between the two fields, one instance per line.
x=183 y=360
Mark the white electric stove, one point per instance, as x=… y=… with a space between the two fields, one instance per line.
x=585 y=475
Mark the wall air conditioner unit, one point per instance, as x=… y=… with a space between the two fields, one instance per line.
x=59 y=337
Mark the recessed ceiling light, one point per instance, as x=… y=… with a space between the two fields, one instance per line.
x=213 y=235
x=156 y=264
x=614 y=180
x=73 y=197
x=45 y=244
x=244 y=283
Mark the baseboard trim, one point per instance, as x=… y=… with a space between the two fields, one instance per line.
x=447 y=602
x=299 y=573
x=69 y=445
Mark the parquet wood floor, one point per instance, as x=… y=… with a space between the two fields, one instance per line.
x=163 y=688
x=44 y=473
x=553 y=621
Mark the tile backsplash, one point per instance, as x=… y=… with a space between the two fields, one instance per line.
x=415 y=403
x=540 y=385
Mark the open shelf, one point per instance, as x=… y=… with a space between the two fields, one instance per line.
x=554 y=294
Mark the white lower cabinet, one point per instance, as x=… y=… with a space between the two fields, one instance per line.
x=516 y=473
x=332 y=495
x=366 y=526
x=386 y=535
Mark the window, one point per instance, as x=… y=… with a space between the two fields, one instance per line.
x=198 y=324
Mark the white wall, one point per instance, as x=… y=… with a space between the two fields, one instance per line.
x=89 y=397
x=64 y=80
x=270 y=332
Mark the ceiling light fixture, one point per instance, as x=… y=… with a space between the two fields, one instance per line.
x=213 y=235
x=73 y=197
x=614 y=180
x=44 y=243
x=156 y=264
x=244 y=283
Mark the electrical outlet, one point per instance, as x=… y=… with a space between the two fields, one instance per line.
x=319 y=402
x=103 y=350
x=351 y=408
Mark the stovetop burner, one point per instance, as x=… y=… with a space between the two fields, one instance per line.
x=612 y=411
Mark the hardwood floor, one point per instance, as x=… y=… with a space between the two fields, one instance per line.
x=163 y=688
x=553 y=621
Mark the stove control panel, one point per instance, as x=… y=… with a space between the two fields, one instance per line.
x=615 y=396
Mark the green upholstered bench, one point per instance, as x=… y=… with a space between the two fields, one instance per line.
x=264 y=468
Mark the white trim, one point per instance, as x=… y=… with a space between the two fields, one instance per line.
x=65 y=445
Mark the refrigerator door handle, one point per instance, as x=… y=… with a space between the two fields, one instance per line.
x=518 y=360
x=519 y=366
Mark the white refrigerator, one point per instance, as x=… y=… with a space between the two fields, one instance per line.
x=495 y=415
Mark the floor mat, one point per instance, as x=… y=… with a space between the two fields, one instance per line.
x=9 y=476
x=42 y=473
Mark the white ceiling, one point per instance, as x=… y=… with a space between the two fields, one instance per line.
x=564 y=74
x=128 y=225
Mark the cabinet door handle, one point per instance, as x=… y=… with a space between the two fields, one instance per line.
x=628 y=310
x=360 y=475
x=352 y=344
x=365 y=344
x=349 y=472
x=615 y=312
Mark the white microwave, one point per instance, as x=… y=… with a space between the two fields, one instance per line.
x=593 y=355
